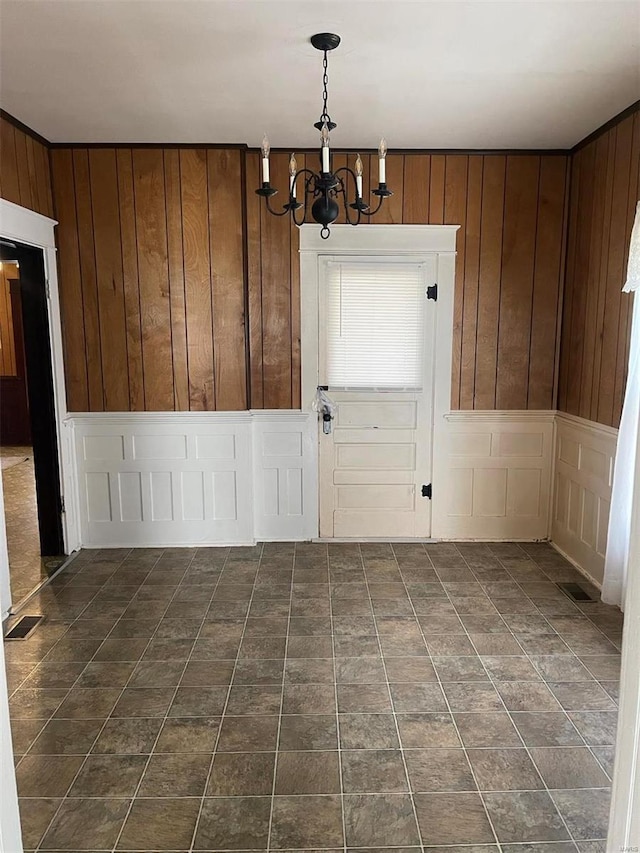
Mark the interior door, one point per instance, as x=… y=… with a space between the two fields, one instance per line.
x=376 y=357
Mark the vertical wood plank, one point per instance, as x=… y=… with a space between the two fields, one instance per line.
x=108 y=255
x=254 y=279
x=176 y=280
x=602 y=273
x=276 y=299
x=338 y=161
x=564 y=377
x=436 y=189
x=455 y=213
x=197 y=279
x=469 y=306
x=580 y=274
x=23 y=171
x=415 y=198
x=592 y=277
x=131 y=284
x=626 y=304
x=493 y=187
x=38 y=203
x=88 y=279
x=70 y=284
x=518 y=255
x=153 y=276
x=227 y=247
x=546 y=282
x=296 y=355
x=9 y=163
x=43 y=178
x=615 y=274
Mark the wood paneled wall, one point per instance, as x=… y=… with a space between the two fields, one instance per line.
x=596 y=325
x=8 y=359
x=151 y=253
x=511 y=211
x=25 y=177
x=152 y=266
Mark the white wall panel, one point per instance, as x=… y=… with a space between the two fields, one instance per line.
x=285 y=475
x=493 y=476
x=585 y=452
x=186 y=479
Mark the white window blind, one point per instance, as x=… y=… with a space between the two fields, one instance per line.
x=374 y=316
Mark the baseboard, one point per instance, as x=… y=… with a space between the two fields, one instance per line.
x=577 y=566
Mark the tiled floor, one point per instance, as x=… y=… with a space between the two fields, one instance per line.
x=316 y=697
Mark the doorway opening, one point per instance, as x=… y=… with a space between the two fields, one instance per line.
x=28 y=437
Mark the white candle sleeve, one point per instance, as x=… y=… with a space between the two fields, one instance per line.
x=265 y=170
x=325 y=158
x=381 y=170
x=359 y=185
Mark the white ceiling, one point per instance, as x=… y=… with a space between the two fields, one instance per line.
x=514 y=74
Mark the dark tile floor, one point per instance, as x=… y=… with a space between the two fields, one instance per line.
x=313 y=697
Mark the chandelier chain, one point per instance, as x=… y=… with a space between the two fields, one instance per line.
x=324 y=117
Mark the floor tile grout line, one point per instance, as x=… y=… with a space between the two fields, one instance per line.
x=284 y=676
x=81 y=673
x=144 y=770
x=391 y=702
x=335 y=695
x=531 y=657
x=517 y=730
x=58 y=640
x=446 y=699
x=492 y=679
x=86 y=757
x=230 y=687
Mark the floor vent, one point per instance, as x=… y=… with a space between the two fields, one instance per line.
x=23 y=627
x=575 y=591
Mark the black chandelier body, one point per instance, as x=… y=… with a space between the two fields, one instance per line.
x=322 y=191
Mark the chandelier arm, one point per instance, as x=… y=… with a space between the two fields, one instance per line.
x=347 y=207
x=307 y=184
x=282 y=212
x=376 y=209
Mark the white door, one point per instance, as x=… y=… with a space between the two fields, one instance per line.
x=376 y=357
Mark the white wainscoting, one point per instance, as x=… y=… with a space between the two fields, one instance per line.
x=584 y=458
x=492 y=479
x=285 y=483
x=165 y=479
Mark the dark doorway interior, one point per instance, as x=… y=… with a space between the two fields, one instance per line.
x=27 y=410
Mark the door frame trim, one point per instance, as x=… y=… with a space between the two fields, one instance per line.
x=26 y=226
x=396 y=240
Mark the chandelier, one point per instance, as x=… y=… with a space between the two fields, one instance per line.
x=325 y=187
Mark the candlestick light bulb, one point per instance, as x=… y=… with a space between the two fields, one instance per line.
x=382 y=148
x=266 y=148
x=325 y=135
x=293 y=165
x=359 y=168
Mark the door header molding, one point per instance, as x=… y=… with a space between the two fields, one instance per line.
x=379 y=239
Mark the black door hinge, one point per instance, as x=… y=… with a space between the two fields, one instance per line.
x=426 y=492
x=432 y=292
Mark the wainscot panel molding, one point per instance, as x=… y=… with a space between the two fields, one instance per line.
x=584 y=460
x=496 y=483
x=160 y=479
x=285 y=482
